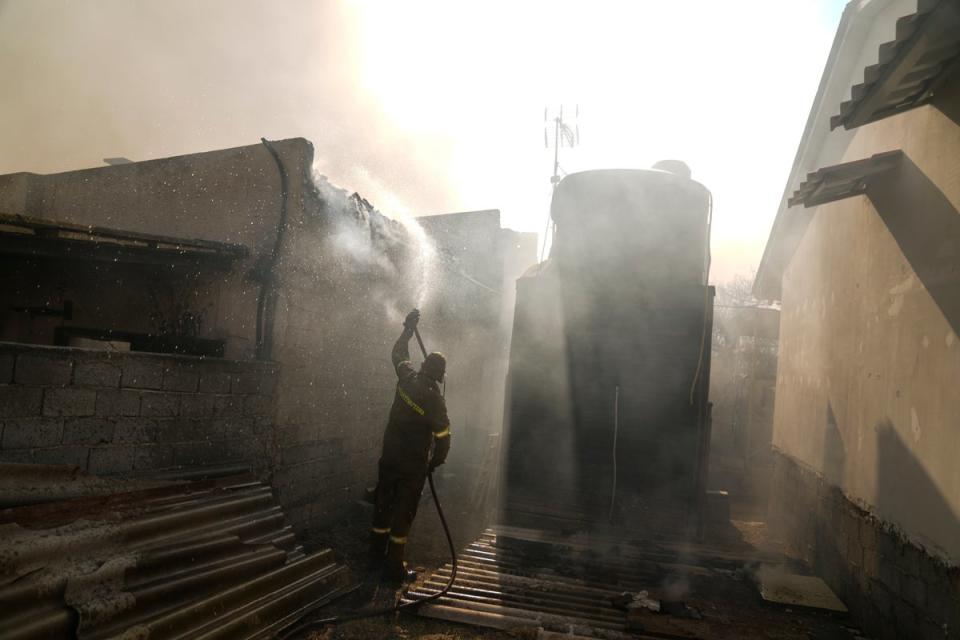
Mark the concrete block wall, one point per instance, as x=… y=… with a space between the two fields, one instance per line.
x=336 y=386
x=893 y=587
x=119 y=413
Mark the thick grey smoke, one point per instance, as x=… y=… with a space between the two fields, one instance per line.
x=87 y=80
x=392 y=249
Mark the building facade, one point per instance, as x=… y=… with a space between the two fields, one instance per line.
x=865 y=258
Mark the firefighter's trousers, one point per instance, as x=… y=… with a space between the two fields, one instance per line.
x=398 y=496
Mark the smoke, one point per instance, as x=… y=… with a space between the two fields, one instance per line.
x=85 y=81
x=394 y=251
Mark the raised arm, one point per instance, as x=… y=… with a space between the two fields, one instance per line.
x=401 y=348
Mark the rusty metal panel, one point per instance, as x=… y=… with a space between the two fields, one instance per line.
x=923 y=53
x=203 y=559
x=844 y=180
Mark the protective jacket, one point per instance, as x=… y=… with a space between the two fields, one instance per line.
x=418 y=418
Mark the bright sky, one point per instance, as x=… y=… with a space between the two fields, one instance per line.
x=429 y=106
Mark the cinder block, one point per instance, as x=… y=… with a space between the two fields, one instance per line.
x=181 y=377
x=153 y=457
x=159 y=404
x=298 y=433
x=199 y=453
x=262 y=426
x=18 y=456
x=888 y=545
x=17 y=401
x=227 y=406
x=89 y=431
x=141 y=374
x=257 y=405
x=32 y=433
x=243 y=449
x=268 y=382
x=910 y=561
x=96 y=374
x=246 y=382
x=871 y=563
x=179 y=430
x=111 y=460
x=868 y=533
x=246 y=449
x=215 y=382
x=889 y=575
x=52 y=370
x=197 y=405
x=913 y=591
x=6 y=368
x=135 y=430
x=70 y=455
x=118 y=402
x=298 y=454
x=69 y=402
x=228 y=428
x=908 y=620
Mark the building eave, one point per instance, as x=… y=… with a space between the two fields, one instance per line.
x=789 y=224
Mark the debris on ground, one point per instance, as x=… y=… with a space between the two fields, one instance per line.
x=632 y=601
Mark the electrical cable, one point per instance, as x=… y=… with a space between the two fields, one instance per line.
x=616 y=430
x=267 y=297
x=400 y=606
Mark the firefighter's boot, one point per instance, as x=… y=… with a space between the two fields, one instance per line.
x=394 y=569
x=378 y=548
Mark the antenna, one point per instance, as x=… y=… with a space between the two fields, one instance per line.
x=563 y=135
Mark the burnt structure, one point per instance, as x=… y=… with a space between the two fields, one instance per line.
x=608 y=415
x=234 y=308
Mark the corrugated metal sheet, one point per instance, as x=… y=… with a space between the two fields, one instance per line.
x=843 y=180
x=925 y=49
x=207 y=559
x=511 y=578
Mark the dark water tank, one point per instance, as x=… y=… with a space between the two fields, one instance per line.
x=607 y=401
x=648 y=225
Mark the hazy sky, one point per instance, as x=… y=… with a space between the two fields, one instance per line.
x=428 y=106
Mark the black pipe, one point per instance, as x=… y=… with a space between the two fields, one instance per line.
x=267 y=298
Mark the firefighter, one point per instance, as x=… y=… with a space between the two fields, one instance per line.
x=418 y=424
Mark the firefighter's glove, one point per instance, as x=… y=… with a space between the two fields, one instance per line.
x=411 y=321
x=441 y=448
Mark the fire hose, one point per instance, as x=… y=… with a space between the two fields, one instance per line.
x=399 y=606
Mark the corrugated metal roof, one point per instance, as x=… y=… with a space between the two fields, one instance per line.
x=925 y=49
x=207 y=559
x=513 y=578
x=843 y=180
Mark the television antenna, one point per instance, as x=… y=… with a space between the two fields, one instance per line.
x=565 y=133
